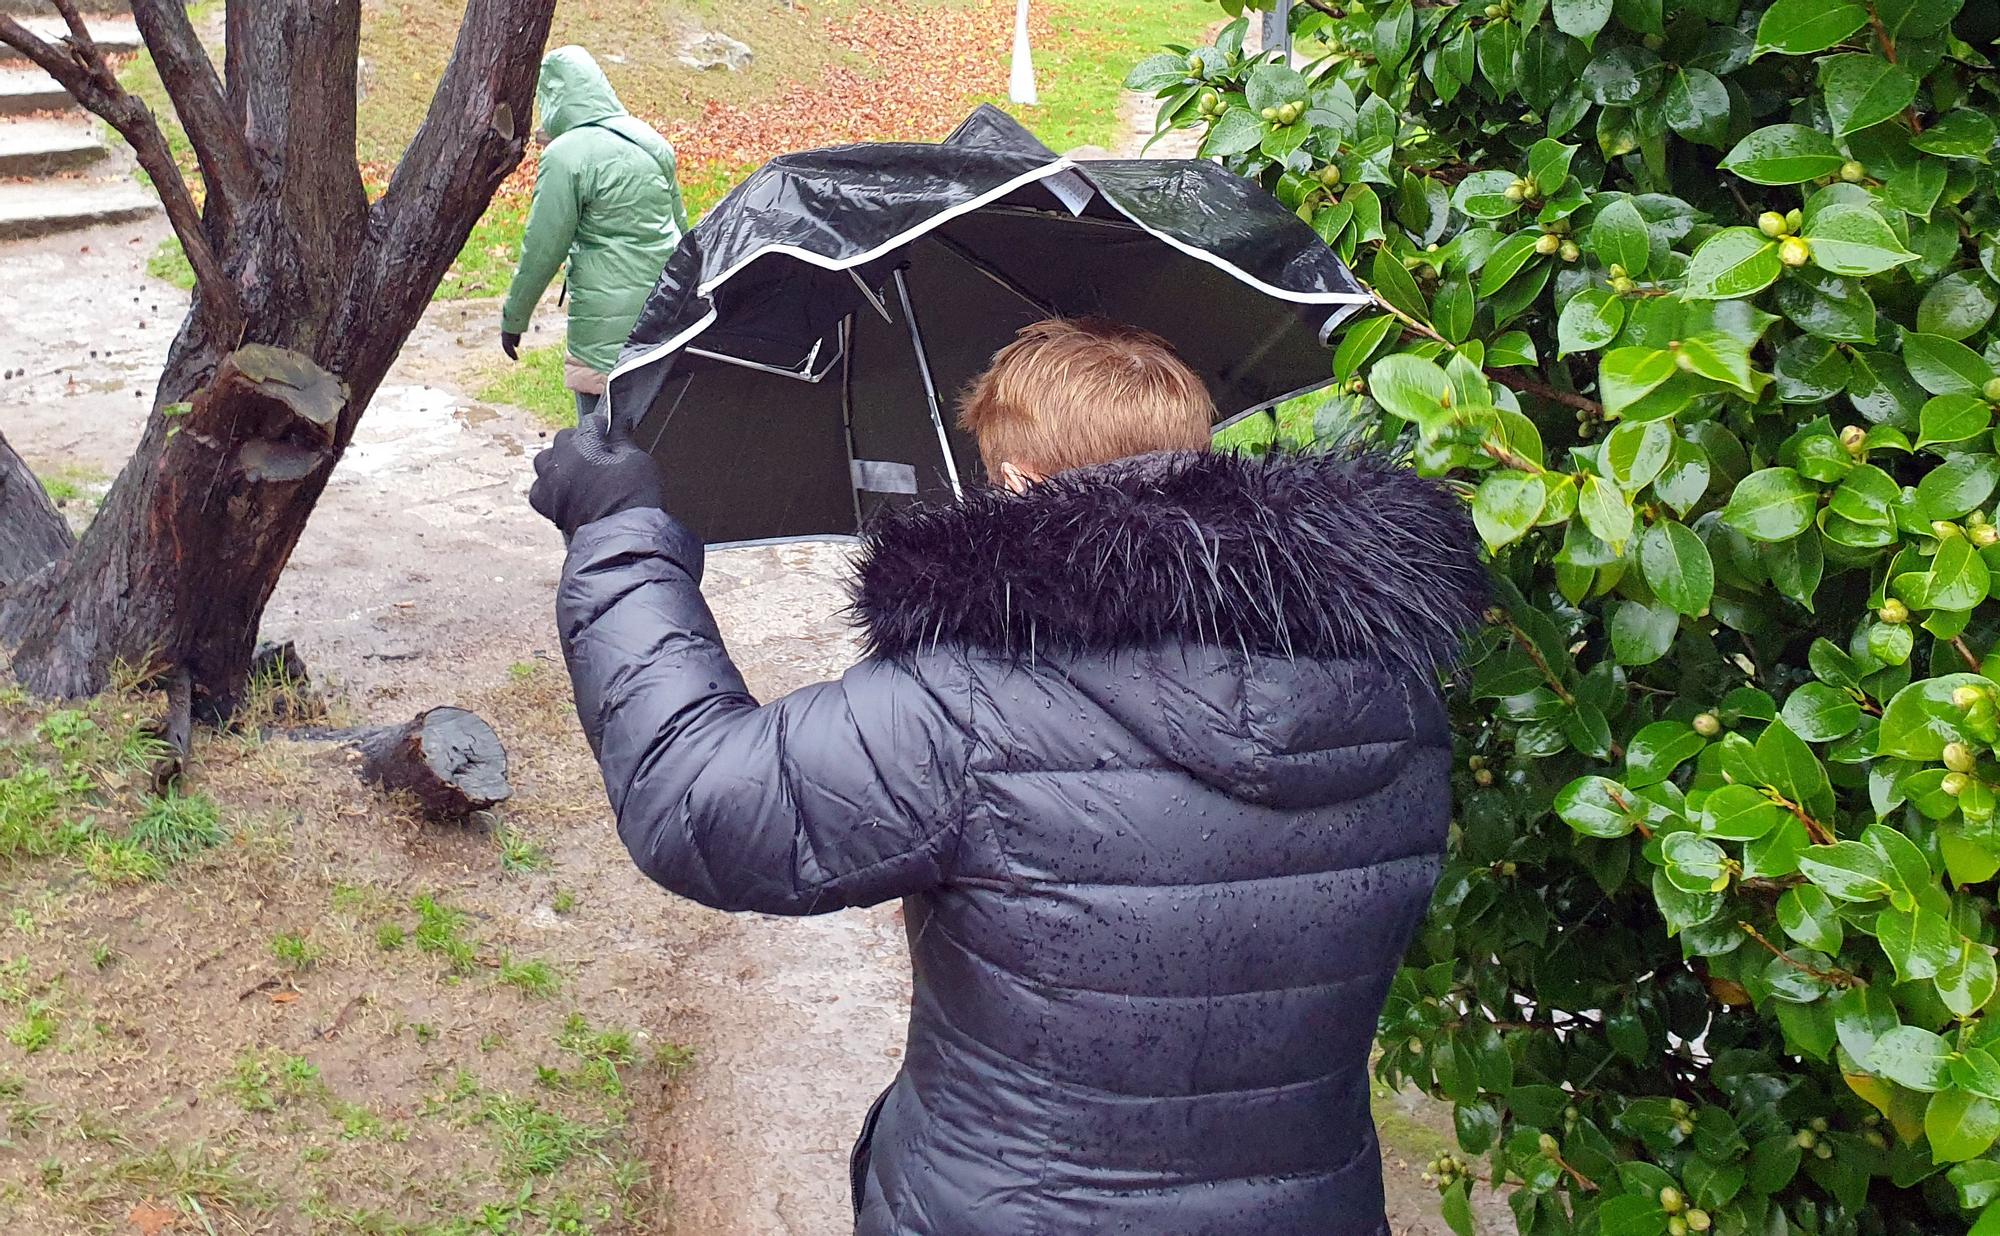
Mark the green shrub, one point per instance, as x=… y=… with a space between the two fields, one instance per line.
x=1694 y=300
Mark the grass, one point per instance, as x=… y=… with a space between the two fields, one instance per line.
x=534 y=1140
x=441 y=933
x=1080 y=78
x=35 y=1029
x=296 y=951
x=535 y=382
x=518 y=853
x=260 y=1083
x=536 y=978
x=175 y=827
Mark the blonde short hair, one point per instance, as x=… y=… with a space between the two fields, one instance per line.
x=1069 y=393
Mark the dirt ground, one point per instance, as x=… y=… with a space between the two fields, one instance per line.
x=424 y=579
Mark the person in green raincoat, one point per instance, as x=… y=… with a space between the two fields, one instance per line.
x=607 y=202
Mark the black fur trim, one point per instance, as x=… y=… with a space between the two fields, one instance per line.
x=1313 y=555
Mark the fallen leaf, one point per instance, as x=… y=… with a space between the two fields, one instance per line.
x=284 y=997
x=151 y=1220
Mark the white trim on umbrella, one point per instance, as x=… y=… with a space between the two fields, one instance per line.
x=669 y=346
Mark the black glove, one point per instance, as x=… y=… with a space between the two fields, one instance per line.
x=510 y=343
x=588 y=474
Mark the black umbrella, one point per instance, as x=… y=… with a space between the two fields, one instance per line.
x=794 y=369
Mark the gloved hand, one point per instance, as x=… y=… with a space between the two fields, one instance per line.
x=510 y=343
x=588 y=474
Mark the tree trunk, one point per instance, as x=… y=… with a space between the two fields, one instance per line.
x=448 y=759
x=270 y=373
x=32 y=531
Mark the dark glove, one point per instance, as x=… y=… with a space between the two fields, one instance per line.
x=510 y=343
x=588 y=474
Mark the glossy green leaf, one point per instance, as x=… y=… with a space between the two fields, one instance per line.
x=1784 y=154
x=1589 y=321
x=1801 y=27
x=1921 y=718
x=1958 y=305
x=1817 y=712
x=1641 y=633
x=1911 y=1057
x=1677 y=566
x=1506 y=506
x=1607 y=511
x=1945 y=366
x=1635 y=453
x=1960 y=484
x=1736 y=261
x=1596 y=807
x=1847 y=871
x=1740 y=813
x=1852 y=240
x=1808 y=915
x=1774 y=504
x=1960 y=1126
x=1963 y=134
x=1953 y=418
x=1864 y=90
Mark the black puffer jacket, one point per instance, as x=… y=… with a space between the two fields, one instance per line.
x=1152 y=753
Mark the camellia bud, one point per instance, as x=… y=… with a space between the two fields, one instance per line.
x=1615 y=271
x=1771 y=223
x=1670 y=1200
x=1966 y=696
x=1944 y=529
x=1698 y=1220
x=1959 y=758
x=1509 y=869
x=1569 y=252
x=1893 y=612
x=1854 y=439
x=1794 y=219
x=1991 y=390
x=1515 y=192
x=1547 y=243
x=1852 y=172
x=1805 y=1139
x=1677 y=1226
x=1624 y=286
x=1984 y=535
x=1707 y=724
x=1269 y=113
x=1822 y=1151
x=1483 y=776
x=1794 y=251
x=1329 y=175
x=1550 y=1146
x=1953 y=784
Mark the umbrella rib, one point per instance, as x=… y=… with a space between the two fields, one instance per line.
x=991 y=272
x=930 y=384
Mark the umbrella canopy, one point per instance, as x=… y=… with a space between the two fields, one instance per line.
x=794 y=369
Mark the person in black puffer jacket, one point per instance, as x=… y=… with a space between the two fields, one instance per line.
x=1152 y=748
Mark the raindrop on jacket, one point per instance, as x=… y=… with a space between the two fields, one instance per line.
x=1155 y=757
x=606 y=202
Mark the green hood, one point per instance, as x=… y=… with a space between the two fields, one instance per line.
x=573 y=91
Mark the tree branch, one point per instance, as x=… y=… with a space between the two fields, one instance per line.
x=227 y=168
x=79 y=66
x=1835 y=978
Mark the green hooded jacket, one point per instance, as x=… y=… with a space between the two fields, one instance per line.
x=606 y=201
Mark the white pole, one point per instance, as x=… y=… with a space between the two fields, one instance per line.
x=1021 y=85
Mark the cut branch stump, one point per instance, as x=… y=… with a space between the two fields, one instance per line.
x=447 y=759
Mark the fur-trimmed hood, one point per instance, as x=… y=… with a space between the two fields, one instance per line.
x=1304 y=555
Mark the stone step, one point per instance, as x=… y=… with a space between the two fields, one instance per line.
x=41 y=208
x=113 y=35
x=28 y=89
x=39 y=147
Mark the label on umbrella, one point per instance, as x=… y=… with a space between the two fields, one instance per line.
x=879 y=476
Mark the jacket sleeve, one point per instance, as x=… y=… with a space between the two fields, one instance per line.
x=841 y=794
x=545 y=244
x=676 y=204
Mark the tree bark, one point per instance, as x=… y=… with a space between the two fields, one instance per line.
x=309 y=295
x=32 y=532
x=447 y=759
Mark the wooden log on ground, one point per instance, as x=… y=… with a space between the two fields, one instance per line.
x=449 y=760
